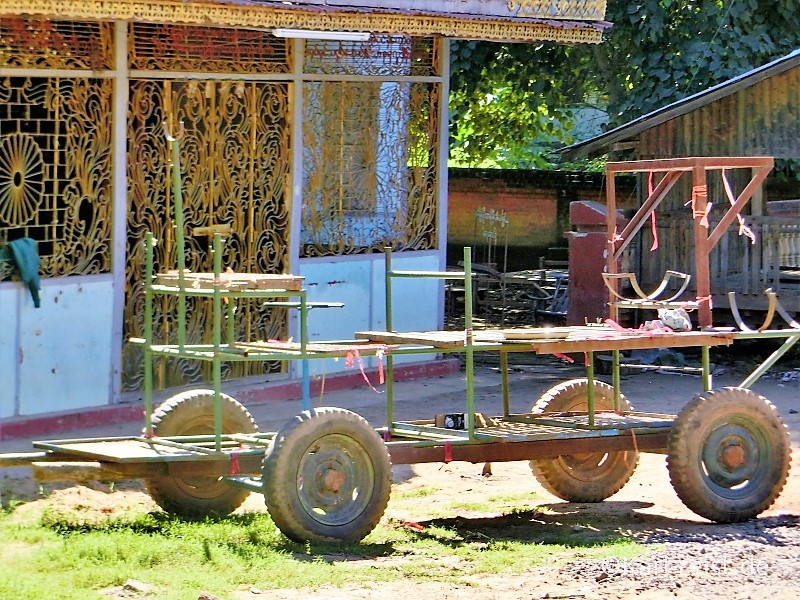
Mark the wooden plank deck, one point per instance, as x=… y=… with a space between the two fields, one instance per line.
x=232 y=281
x=557 y=339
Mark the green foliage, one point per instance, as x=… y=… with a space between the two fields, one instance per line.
x=668 y=49
x=657 y=52
x=509 y=103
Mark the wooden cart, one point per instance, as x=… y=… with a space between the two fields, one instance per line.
x=326 y=475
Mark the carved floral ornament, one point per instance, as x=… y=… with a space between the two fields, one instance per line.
x=21 y=178
x=567 y=21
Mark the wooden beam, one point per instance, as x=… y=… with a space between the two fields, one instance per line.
x=689 y=164
x=94 y=471
x=645 y=210
x=701 y=247
x=747 y=193
x=403 y=453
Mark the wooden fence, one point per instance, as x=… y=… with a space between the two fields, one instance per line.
x=736 y=264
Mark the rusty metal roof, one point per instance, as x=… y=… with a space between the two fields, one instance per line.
x=599 y=144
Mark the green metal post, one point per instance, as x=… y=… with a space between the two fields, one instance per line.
x=504 y=383
x=615 y=379
x=590 y=386
x=149 y=244
x=177 y=197
x=216 y=341
x=769 y=362
x=470 y=351
x=705 y=354
x=387 y=253
x=303 y=349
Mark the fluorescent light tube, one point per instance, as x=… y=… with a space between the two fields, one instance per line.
x=310 y=34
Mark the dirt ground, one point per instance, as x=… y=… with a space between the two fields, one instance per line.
x=688 y=557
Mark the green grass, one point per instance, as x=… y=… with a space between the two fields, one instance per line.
x=55 y=553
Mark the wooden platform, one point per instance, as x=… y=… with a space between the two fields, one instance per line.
x=554 y=339
x=313 y=349
x=232 y=281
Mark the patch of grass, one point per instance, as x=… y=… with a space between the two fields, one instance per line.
x=72 y=553
x=420 y=492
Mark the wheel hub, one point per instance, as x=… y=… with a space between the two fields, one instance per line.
x=332 y=480
x=731 y=456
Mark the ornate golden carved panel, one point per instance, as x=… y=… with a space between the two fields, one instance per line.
x=235 y=169
x=55 y=170
x=370 y=167
x=207 y=49
x=32 y=43
x=381 y=55
x=250 y=15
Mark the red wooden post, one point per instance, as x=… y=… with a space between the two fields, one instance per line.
x=700 y=215
x=611 y=230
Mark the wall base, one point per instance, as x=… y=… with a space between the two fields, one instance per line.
x=41 y=426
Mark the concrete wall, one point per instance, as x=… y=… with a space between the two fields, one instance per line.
x=359 y=282
x=56 y=357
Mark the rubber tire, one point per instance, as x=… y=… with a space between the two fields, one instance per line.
x=588 y=477
x=192 y=413
x=728 y=417
x=312 y=446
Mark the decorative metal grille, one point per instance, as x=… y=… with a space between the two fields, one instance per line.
x=55 y=171
x=370 y=167
x=31 y=43
x=207 y=49
x=381 y=55
x=235 y=170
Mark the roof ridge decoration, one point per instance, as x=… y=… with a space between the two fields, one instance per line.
x=566 y=21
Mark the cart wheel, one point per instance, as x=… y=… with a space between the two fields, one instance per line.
x=728 y=455
x=327 y=477
x=192 y=413
x=589 y=476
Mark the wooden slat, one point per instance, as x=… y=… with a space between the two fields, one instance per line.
x=318 y=348
x=20 y=459
x=233 y=281
x=94 y=471
x=632 y=341
x=437 y=339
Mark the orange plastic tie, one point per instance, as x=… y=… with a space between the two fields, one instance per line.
x=653 y=228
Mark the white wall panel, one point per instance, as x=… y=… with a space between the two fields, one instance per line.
x=65 y=348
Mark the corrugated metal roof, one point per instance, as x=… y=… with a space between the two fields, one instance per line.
x=600 y=143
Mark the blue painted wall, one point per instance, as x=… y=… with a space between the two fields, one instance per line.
x=359 y=282
x=56 y=357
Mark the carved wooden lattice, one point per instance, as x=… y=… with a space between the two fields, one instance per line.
x=36 y=43
x=198 y=49
x=235 y=171
x=56 y=145
x=254 y=15
x=370 y=167
x=55 y=171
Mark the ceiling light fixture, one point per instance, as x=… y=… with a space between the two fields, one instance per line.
x=310 y=34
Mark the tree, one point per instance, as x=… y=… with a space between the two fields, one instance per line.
x=657 y=52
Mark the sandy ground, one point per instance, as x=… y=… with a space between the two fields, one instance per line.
x=690 y=558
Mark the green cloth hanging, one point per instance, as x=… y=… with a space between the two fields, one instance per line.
x=25 y=256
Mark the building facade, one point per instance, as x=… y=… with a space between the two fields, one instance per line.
x=315 y=133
